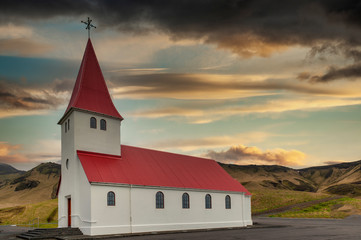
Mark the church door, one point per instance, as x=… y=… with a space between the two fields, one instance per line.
x=69 y=212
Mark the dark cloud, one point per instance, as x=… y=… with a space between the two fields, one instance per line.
x=253 y=27
x=65 y=85
x=28 y=97
x=350 y=72
x=332 y=162
x=150 y=85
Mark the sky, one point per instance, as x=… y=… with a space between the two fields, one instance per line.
x=240 y=82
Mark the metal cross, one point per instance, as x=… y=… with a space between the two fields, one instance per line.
x=89 y=25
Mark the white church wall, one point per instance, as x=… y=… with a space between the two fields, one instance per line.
x=94 y=139
x=82 y=214
x=110 y=219
x=147 y=218
x=68 y=170
x=247 y=215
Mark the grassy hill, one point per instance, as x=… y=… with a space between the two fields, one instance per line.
x=28 y=195
x=36 y=185
x=341 y=179
x=46 y=211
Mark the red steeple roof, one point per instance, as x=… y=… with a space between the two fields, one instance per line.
x=90 y=90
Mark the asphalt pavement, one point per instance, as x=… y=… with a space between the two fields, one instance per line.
x=264 y=228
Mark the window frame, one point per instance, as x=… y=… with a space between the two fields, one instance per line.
x=208 y=201
x=185 y=201
x=103 y=124
x=228 y=202
x=110 y=198
x=93 y=123
x=159 y=200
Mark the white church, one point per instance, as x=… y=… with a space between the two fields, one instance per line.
x=109 y=188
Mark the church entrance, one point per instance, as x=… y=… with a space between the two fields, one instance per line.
x=69 y=212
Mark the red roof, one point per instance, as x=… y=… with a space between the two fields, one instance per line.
x=90 y=90
x=139 y=166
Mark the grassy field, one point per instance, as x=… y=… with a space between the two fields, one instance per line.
x=339 y=208
x=267 y=199
x=46 y=211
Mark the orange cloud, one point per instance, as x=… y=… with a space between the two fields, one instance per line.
x=210 y=142
x=8 y=153
x=241 y=154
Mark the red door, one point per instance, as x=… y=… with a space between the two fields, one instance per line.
x=69 y=212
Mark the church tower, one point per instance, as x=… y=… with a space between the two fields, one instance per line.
x=90 y=123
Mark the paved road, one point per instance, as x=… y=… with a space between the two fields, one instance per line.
x=267 y=228
x=276 y=229
x=10 y=232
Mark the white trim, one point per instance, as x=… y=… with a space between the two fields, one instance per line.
x=60 y=122
x=162 y=187
x=86 y=221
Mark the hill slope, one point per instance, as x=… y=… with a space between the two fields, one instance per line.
x=40 y=183
x=343 y=179
x=7 y=169
x=36 y=185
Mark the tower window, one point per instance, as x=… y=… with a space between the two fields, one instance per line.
x=103 y=125
x=93 y=122
x=228 y=202
x=185 y=200
x=67 y=164
x=208 y=201
x=111 y=199
x=66 y=126
x=159 y=200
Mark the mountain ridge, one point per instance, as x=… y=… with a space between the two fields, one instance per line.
x=41 y=182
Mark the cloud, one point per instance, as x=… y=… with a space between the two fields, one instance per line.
x=351 y=72
x=23 y=47
x=207 y=86
x=19 y=99
x=205 y=112
x=8 y=153
x=247 y=28
x=209 y=142
x=241 y=154
x=333 y=162
x=19 y=41
x=44 y=150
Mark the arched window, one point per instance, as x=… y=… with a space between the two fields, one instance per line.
x=228 y=202
x=103 y=125
x=159 y=200
x=66 y=126
x=93 y=122
x=185 y=200
x=208 y=201
x=67 y=164
x=111 y=198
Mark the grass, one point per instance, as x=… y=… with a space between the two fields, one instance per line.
x=339 y=208
x=46 y=211
x=267 y=199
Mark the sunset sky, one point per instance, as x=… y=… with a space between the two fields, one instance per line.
x=242 y=82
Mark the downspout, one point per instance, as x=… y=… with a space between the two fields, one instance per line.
x=130 y=208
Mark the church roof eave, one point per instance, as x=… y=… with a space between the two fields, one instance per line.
x=67 y=114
